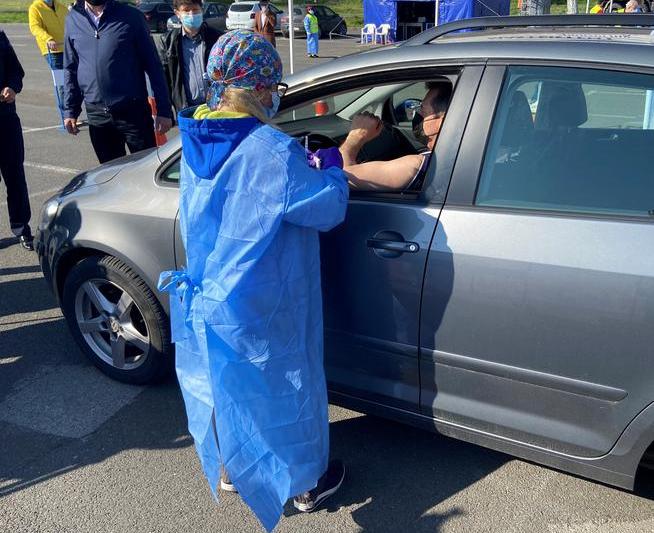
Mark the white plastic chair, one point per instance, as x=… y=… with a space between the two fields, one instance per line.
x=369 y=34
x=383 y=31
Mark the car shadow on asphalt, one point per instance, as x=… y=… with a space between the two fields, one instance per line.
x=25 y=296
x=27 y=269
x=396 y=473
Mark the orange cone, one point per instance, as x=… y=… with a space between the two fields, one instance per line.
x=160 y=138
x=320 y=108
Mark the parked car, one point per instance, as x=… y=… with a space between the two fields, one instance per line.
x=156 y=14
x=215 y=15
x=328 y=21
x=506 y=298
x=241 y=15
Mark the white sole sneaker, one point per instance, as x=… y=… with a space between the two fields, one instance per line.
x=227 y=487
x=312 y=505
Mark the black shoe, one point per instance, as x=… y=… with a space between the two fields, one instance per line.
x=328 y=484
x=27 y=241
x=225 y=482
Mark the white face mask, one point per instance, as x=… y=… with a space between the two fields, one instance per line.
x=272 y=111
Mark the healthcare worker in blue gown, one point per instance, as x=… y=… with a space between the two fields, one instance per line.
x=247 y=311
x=313 y=32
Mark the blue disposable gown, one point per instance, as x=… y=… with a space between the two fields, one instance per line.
x=312 y=38
x=247 y=310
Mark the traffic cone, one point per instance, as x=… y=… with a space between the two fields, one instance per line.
x=320 y=108
x=160 y=138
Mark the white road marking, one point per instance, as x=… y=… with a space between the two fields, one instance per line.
x=30 y=130
x=44 y=193
x=52 y=168
x=55 y=399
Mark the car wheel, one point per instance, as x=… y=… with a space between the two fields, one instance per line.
x=117 y=321
x=342 y=29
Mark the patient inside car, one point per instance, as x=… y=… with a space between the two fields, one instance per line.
x=400 y=173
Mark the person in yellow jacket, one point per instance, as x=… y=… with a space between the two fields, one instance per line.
x=47 y=19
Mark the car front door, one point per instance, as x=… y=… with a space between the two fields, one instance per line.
x=539 y=289
x=373 y=268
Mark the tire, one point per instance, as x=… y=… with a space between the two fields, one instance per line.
x=342 y=29
x=117 y=321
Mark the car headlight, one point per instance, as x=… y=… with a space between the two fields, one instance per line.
x=48 y=213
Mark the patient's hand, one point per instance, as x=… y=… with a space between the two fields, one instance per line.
x=365 y=127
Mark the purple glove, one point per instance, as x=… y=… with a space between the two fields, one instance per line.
x=325 y=158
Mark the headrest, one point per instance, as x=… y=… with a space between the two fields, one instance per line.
x=564 y=108
x=519 y=122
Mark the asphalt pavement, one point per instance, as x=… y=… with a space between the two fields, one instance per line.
x=82 y=453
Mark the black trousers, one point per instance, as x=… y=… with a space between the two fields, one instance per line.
x=110 y=131
x=12 y=156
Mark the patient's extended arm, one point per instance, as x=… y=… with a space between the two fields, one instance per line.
x=375 y=175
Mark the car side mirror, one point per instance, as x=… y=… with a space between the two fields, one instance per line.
x=411 y=106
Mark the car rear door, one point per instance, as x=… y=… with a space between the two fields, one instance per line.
x=538 y=303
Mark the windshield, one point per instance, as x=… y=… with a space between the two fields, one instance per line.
x=329 y=105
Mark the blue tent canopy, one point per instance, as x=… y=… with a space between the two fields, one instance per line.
x=379 y=12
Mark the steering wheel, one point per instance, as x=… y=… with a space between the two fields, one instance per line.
x=316 y=141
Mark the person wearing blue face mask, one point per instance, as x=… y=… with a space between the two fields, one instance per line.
x=184 y=53
x=246 y=311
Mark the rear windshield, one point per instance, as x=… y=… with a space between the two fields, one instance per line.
x=241 y=8
x=147 y=7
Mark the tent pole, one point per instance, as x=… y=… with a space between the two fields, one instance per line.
x=290 y=32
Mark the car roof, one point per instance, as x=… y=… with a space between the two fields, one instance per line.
x=631 y=47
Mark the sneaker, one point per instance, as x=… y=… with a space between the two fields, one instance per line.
x=26 y=240
x=328 y=484
x=225 y=483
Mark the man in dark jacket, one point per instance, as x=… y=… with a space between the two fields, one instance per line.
x=108 y=51
x=184 y=54
x=12 y=149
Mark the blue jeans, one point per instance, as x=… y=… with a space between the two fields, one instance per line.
x=56 y=62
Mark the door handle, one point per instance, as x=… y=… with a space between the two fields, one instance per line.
x=394 y=246
x=391 y=244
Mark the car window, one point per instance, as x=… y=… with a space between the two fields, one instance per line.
x=274 y=9
x=241 y=7
x=297 y=11
x=171 y=172
x=572 y=140
x=328 y=12
x=211 y=11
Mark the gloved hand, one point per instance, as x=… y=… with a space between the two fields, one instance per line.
x=325 y=158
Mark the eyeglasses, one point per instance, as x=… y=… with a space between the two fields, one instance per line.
x=279 y=88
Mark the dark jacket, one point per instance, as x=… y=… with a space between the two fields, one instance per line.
x=171 y=58
x=11 y=73
x=106 y=67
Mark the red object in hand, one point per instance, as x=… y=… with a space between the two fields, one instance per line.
x=160 y=138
